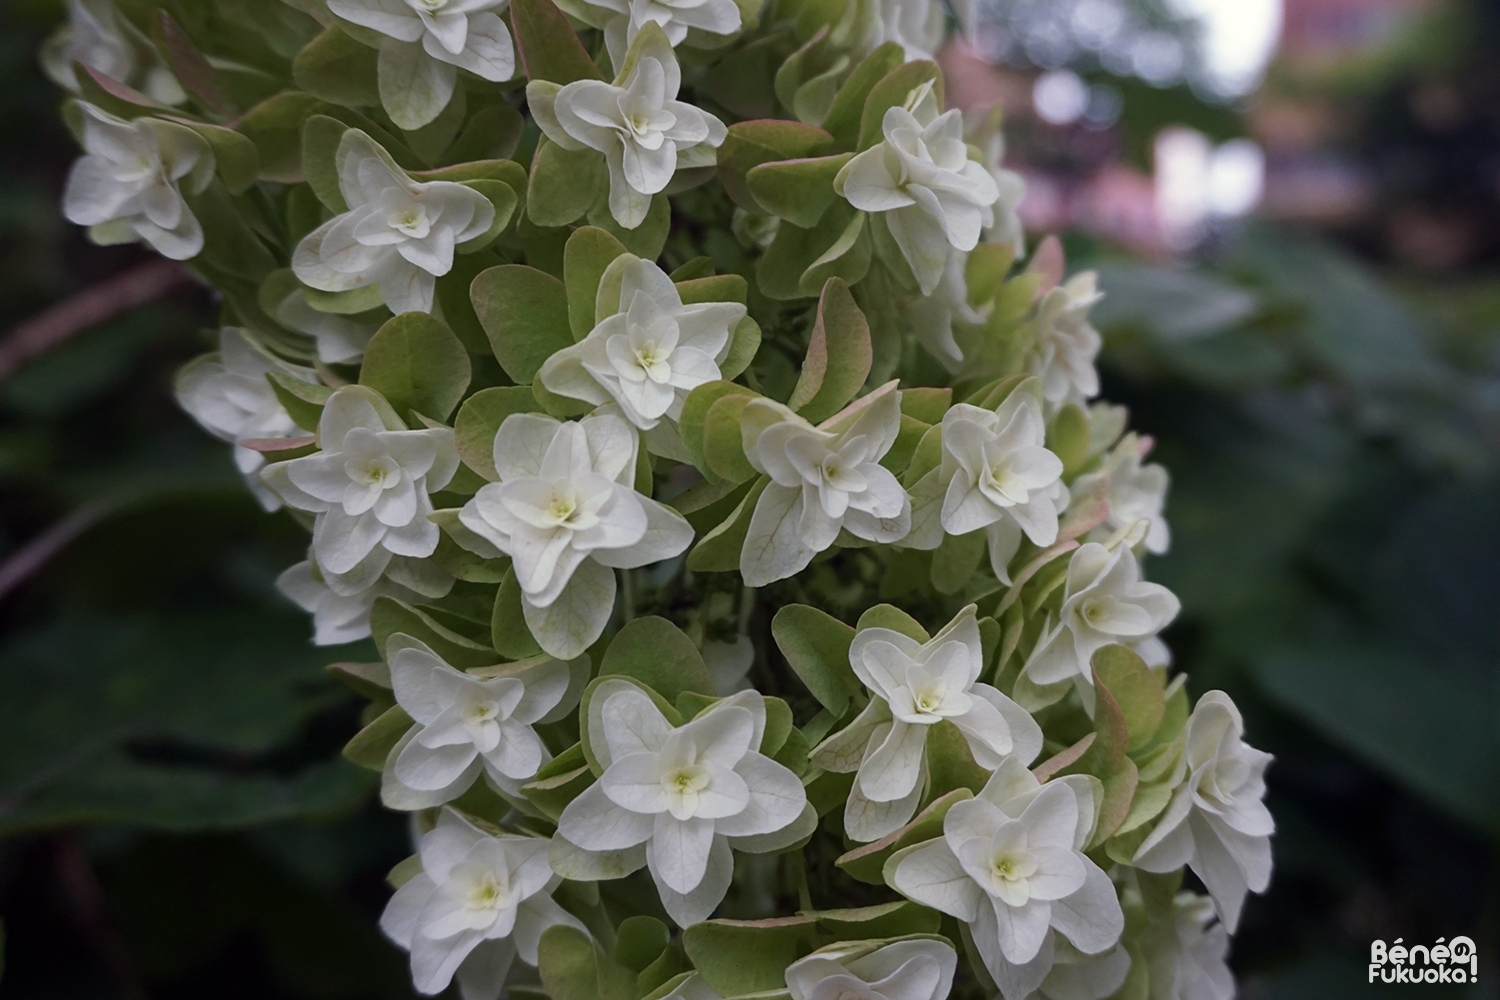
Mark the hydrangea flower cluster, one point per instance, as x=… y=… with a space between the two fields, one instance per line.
x=580 y=337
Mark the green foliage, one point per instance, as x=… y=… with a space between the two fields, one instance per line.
x=655 y=652
x=816 y=646
x=418 y=365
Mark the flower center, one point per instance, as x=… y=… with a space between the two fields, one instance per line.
x=486 y=894
x=412 y=221
x=428 y=5
x=686 y=780
x=380 y=473
x=930 y=701
x=481 y=711
x=562 y=509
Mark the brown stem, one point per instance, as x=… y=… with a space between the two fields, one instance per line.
x=125 y=291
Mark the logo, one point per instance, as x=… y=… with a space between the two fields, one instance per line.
x=1455 y=961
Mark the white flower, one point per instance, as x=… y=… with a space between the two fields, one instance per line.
x=1217 y=821
x=1186 y=953
x=398 y=233
x=914 y=969
x=1137 y=492
x=934 y=197
x=427 y=42
x=339 y=340
x=677 y=799
x=1066 y=344
x=1007 y=229
x=695 y=22
x=228 y=394
x=341 y=604
x=369 y=484
x=648 y=355
x=644 y=132
x=824 y=479
x=1104 y=601
x=997 y=476
x=1011 y=865
x=128 y=185
x=466 y=724
x=1069 y=974
x=918 y=26
x=479 y=901
x=933 y=316
x=96 y=36
x=916 y=685
x=566 y=513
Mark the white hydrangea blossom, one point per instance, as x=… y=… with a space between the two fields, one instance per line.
x=644 y=132
x=918 y=26
x=1066 y=343
x=480 y=901
x=920 y=177
x=1007 y=229
x=426 y=43
x=341 y=604
x=649 y=354
x=997 y=476
x=1104 y=601
x=468 y=724
x=678 y=799
x=1137 y=492
x=1072 y=975
x=704 y=22
x=1010 y=864
x=128 y=186
x=566 y=513
x=339 y=340
x=933 y=316
x=369 y=485
x=97 y=36
x=1217 y=821
x=399 y=233
x=1186 y=956
x=228 y=394
x=913 y=969
x=824 y=480
x=914 y=686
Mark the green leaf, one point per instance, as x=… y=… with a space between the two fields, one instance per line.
x=236 y=159
x=723 y=441
x=230 y=245
x=275 y=126
x=926 y=404
x=373 y=744
x=320 y=145
x=749 y=956
x=563 y=779
x=564 y=184
x=640 y=941
x=749 y=144
x=589 y=251
x=885 y=920
x=480 y=418
x=698 y=267
x=659 y=655
x=742 y=348
x=891 y=617
x=838 y=355
x=957 y=560
x=525 y=314
x=950 y=762
x=303 y=400
x=719 y=550
x=508 y=631
x=844 y=116
x=189 y=66
x=891 y=92
x=647 y=239
x=799 y=260
x=867 y=863
x=335 y=68
x=799 y=191
x=1136 y=688
x=493 y=133
x=418 y=365
x=816 y=645
x=1068 y=439
x=695 y=415
x=574 y=967
x=713 y=288
x=549 y=48
x=390 y=616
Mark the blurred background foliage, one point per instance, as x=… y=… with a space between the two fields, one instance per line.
x=1322 y=379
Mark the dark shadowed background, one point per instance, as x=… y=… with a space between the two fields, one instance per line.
x=1303 y=309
